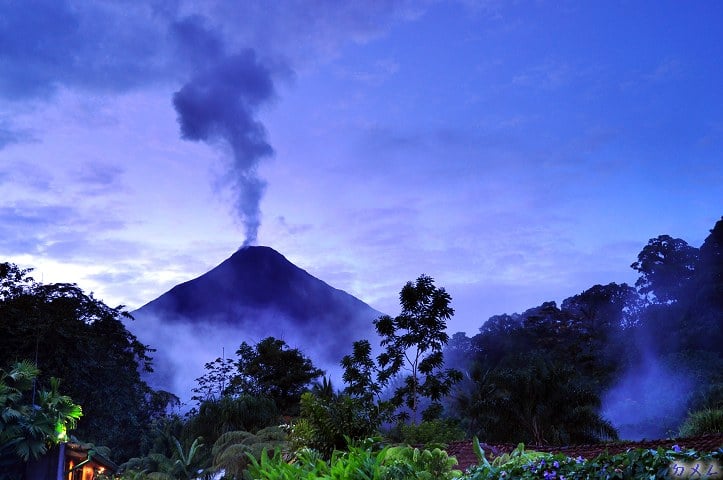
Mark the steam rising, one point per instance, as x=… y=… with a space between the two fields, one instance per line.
x=648 y=400
x=220 y=103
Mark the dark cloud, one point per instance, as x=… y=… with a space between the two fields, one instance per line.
x=195 y=42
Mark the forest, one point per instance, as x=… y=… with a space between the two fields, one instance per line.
x=613 y=362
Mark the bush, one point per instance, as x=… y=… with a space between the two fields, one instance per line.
x=634 y=464
x=326 y=424
x=702 y=422
x=433 y=432
x=233 y=450
x=358 y=463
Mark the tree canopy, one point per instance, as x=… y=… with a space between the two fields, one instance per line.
x=75 y=337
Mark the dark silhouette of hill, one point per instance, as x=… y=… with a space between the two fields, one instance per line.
x=254 y=294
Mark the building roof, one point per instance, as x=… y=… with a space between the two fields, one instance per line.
x=86 y=451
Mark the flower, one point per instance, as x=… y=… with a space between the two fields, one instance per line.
x=556 y=464
x=676 y=448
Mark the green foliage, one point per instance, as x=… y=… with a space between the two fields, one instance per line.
x=542 y=402
x=270 y=368
x=186 y=463
x=329 y=424
x=77 y=338
x=215 y=382
x=648 y=464
x=702 y=422
x=431 y=432
x=233 y=450
x=360 y=373
x=358 y=463
x=425 y=464
x=415 y=340
x=216 y=417
x=28 y=429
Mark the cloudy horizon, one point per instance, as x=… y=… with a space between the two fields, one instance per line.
x=517 y=152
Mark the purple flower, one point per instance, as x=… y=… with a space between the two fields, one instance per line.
x=676 y=448
x=556 y=464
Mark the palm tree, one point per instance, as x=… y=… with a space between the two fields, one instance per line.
x=31 y=428
x=28 y=430
x=541 y=401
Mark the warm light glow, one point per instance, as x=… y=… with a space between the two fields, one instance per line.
x=71 y=464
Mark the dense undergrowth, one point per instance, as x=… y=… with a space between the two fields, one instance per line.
x=365 y=462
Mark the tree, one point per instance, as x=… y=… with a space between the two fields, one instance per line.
x=360 y=373
x=216 y=381
x=75 y=337
x=706 y=304
x=243 y=412
x=603 y=316
x=539 y=400
x=667 y=266
x=272 y=369
x=414 y=340
x=32 y=419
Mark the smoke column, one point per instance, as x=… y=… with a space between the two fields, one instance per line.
x=220 y=103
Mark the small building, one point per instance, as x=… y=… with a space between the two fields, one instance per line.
x=70 y=461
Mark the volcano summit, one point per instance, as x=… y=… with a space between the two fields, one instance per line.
x=253 y=294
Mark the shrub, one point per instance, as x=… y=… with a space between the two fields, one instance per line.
x=702 y=422
x=439 y=431
x=358 y=463
x=326 y=424
x=633 y=464
x=233 y=450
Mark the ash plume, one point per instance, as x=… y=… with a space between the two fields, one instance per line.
x=219 y=104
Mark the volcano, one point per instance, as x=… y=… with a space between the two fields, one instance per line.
x=254 y=294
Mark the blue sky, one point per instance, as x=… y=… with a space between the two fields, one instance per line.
x=517 y=152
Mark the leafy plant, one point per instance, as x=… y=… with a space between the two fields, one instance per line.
x=641 y=464
x=233 y=450
x=360 y=462
x=185 y=463
x=702 y=422
x=414 y=340
x=29 y=428
x=328 y=425
x=431 y=432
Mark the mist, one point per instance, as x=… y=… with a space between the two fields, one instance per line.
x=648 y=400
x=182 y=348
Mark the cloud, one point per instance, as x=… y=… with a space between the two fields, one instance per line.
x=99 y=177
x=547 y=76
x=292 y=228
x=10 y=134
x=60 y=231
x=230 y=57
x=103 y=46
